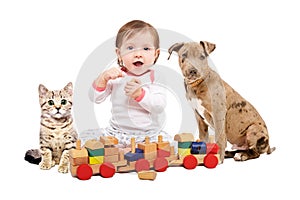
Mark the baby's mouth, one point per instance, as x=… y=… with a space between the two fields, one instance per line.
x=138 y=63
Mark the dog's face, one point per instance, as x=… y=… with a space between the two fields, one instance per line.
x=193 y=58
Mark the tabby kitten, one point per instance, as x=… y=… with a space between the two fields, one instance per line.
x=57 y=131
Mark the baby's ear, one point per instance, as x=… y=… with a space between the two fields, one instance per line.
x=42 y=90
x=69 y=88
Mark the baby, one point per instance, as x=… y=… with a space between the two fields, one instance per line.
x=137 y=101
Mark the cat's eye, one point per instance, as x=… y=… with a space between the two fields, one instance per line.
x=51 y=102
x=63 y=102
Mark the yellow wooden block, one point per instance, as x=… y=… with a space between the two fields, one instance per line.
x=183 y=152
x=96 y=160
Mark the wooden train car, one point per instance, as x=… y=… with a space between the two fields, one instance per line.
x=103 y=157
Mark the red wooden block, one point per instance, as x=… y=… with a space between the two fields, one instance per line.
x=162 y=153
x=142 y=164
x=190 y=162
x=212 y=148
x=210 y=161
x=160 y=164
x=84 y=172
x=107 y=170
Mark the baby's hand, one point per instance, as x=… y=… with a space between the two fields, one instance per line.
x=105 y=76
x=133 y=88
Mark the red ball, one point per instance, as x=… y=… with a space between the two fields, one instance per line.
x=107 y=170
x=190 y=162
x=84 y=172
x=210 y=161
x=161 y=164
x=142 y=164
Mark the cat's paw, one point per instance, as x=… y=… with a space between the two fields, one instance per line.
x=45 y=165
x=63 y=169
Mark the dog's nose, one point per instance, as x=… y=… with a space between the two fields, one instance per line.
x=193 y=71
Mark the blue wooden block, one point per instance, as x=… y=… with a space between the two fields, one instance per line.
x=198 y=148
x=133 y=156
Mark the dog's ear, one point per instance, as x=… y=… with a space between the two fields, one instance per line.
x=175 y=47
x=208 y=47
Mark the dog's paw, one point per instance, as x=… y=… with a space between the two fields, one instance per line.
x=63 y=169
x=240 y=157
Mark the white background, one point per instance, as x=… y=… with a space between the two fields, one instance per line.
x=257 y=54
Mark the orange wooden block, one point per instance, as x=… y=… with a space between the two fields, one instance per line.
x=111 y=158
x=151 y=155
x=109 y=151
x=184 y=137
x=147 y=147
x=93 y=144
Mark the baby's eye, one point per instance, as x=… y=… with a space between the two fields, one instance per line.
x=146 y=48
x=130 y=48
x=63 y=102
x=51 y=102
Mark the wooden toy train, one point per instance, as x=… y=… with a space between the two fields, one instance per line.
x=105 y=158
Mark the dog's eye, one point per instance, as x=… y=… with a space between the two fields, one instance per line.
x=183 y=57
x=202 y=57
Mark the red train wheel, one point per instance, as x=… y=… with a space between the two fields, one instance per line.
x=190 y=162
x=210 y=161
x=84 y=172
x=142 y=164
x=160 y=164
x=107 y=170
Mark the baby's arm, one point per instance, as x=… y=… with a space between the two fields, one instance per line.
x=101 y=87
x=153 y=98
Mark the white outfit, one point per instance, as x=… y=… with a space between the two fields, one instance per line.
x=139 y=117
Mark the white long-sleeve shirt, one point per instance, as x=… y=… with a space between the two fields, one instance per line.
x=137 y=117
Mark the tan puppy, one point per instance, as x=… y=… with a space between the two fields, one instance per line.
x=220 y=107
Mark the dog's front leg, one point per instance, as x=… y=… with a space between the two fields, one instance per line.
x=202 y=126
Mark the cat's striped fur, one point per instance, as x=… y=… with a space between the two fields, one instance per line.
x=57 y=131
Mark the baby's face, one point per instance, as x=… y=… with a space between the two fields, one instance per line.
x=138 y=53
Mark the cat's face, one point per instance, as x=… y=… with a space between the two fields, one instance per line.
x=56 y=103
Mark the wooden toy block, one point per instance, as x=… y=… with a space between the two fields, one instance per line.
x=109 y=151
x=93 y=144
x=183 y=152
x=73 y=170
x=108 y=140
x=147 y=147
x=132 y=142
x=212 y=148
x=121 y=155
x=150 y=156
x=96 y=160
x=147 y=175
x=184 y=137
x=184 y=145
x=172 y=150
x=120 y=163
x=162 y=144
x=111 y=159
x=162 y=153
x=133 y=156
x=79 y=160
x=198 y=148
x=78 y=152
x=95 y=152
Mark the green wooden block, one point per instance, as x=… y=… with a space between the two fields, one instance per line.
x=95 y=152
x=184 y=145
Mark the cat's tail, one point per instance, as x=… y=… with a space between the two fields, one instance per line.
x=33 y=156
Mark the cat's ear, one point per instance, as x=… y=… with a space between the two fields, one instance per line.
x=69 y=88
x=42 y=90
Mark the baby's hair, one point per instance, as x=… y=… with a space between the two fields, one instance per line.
x=133 y=27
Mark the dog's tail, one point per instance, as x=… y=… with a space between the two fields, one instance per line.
x=33 y=156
